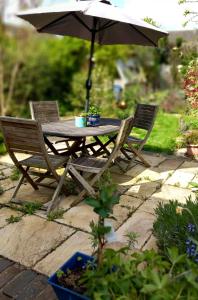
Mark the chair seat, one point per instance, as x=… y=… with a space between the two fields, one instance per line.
x=134 y=140
x=89 y=164
x=39 y=162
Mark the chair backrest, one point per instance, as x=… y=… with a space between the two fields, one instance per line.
x=122 y=136
x=22 y=136
x=44 y=111
x=144 y=116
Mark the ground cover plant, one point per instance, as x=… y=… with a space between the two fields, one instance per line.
x=177 y=227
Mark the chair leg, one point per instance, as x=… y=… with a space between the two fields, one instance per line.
x=56 y=199
x=82 y=181
x=17 y=187
x=137 y=154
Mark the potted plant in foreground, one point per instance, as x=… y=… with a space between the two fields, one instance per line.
x=93 y=118
x=68 y=282
x=81 y=120
x=191 y=138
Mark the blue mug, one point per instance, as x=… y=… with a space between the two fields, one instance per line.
x=80 y=122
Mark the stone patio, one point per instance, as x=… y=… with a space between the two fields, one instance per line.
x=45 y=245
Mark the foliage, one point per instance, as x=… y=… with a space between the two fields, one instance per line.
x=103 y=206
x=191 y=120
x=13 y=219
x=2 y=146
x=143 y=275
x=30 y=208
x=15 y=174
x=190 y=13
x=191 y=137
x=171 y=228
x=59 y=273
x=191 y=84
x=94 y=110
x=56 y=214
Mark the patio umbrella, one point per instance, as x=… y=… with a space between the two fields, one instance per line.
x=96 y=21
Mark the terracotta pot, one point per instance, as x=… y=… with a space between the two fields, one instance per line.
x=192 y=150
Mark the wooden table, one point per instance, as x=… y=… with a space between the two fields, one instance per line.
x=67 y=128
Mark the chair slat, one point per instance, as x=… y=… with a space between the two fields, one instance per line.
x=44 y=111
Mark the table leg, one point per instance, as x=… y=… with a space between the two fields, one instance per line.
x=103 y=147
x=52 y=148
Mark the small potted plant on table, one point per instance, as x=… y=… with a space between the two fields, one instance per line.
x=81 y=120
x=68 y=282
x=192 y=143
x=93 y=118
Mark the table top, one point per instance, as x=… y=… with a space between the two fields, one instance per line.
x=67 y=128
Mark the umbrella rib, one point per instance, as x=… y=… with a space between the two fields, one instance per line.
x=107 y=25
x=53 y=22
x=144 y=35
x=81 y=22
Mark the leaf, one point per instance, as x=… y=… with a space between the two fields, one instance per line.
x=92 y=202
x=174 y=255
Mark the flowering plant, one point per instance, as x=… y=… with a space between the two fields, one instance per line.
x=191 y=84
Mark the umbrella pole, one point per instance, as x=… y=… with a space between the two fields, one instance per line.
x=91 y=64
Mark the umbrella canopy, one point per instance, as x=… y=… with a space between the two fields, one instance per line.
x=96 y=21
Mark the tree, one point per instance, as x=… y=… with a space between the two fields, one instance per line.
x=7 y=94
x=192 y=15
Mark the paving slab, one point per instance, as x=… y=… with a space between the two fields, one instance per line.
x=6 y=160
x=79 y=217
x=154 y=159
x=151 y=204
x=190 y=167
x=124 y=209
x=7 y=184
x=29 y=240
x=169 y=192
x=180 y=179
x=170 y=164
x=6 y=196
x=80 y=241
x=140 y=223
x=6 y=213
x=144 y=190
x=136 y=170
x=151 y=244
x=5 y=173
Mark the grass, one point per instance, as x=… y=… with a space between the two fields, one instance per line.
x=13 y=219
x=15 y=175
x=58 y=214
x=164 y=134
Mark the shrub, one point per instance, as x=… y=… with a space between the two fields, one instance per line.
x=172 y=229
x=192 y=137
x=144 y=275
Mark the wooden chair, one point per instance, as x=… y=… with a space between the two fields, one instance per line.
x=46 y=112
x=144 y=118
x=97 y=166
x=25 y=136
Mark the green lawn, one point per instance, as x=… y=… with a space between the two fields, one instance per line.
x=164 y=133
